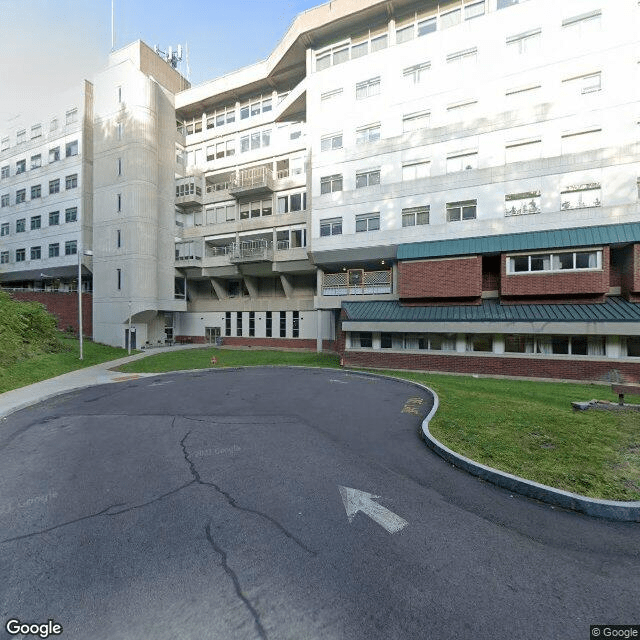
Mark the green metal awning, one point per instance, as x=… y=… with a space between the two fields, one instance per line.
x=553 y=239
x=615 y=309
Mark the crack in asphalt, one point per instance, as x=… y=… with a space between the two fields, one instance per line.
x=104 y=512
x=236 y=583
x=234 y=504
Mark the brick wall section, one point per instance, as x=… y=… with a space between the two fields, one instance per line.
x=529 y=367
x=64 y=306
x=631 y=276
x=541 y=286
x=278 y=343
x=456 y=278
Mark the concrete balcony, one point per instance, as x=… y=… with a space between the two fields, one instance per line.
x=250 y=251
x=250 y=182
x=189 y=192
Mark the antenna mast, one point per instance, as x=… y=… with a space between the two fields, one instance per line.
x=113 y=30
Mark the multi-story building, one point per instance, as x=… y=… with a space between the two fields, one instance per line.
x=449 y=185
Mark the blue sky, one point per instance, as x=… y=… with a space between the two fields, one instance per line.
x=50 y=45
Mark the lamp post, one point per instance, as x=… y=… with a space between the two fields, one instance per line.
x=88 y=252
x=129 y=340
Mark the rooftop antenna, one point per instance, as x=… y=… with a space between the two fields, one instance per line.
x=188 y=67
x=113 y=29
x=171 y=56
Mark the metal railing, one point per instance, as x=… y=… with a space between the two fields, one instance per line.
x=347 y=283
x=252 y=179
x=250 y=250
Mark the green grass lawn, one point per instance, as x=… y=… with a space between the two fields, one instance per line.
x=201 y=359
x=49 y=365
x=522 y=427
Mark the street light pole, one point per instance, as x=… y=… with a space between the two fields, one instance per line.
x=80 y=291
x=129 y=340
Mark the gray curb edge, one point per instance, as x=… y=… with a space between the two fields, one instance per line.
x=607 y=509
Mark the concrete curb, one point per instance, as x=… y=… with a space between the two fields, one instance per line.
x=607 y=509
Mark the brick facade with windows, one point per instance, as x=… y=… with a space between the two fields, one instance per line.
x=594 y=284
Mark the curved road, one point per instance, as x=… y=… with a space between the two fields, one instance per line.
x=213 y=504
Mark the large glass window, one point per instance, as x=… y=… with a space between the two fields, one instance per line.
x=331 y=227
x=329 y=184
x=457 y=211
x=367 y=178
x=557 y=261
x=368 y=222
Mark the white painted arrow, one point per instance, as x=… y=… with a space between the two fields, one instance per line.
x=355 y=501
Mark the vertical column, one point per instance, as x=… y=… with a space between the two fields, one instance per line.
x=613 y=347
x=318 y=330
x=461 y=343
x=498 y=343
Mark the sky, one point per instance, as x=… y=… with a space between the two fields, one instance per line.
x=52 y=45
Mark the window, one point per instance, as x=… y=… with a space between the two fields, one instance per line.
x=71 y=182
x=119 y=94
x=368 y=222
x=450 y=19
x=119 y=166
x=54 y=218
x=268 y=324
x=457 y=211
x=364 y=339
x=296 y=325
x=54 y=124
x=36 y=161
x=330 y=95
x=36 y=253
x=71 y=214
x=416 y=73
x=4 y=172
x=227 y=323
x=633 y=347
x=474 y=10
x=36 y=222
x=4 y=229
x=554 y=262
x=255 y=108
x=330 y=184
x=370 y=133
x=71 y=148
x=4 y=257
x=36 y=191
x=71 y=116
x=119 y=279
x=239 y=323
x=368 y=88
x=4 y=145
x=54 y=154
x=118 y=239
x=479 y=342
x=21 y=136
x=331 y=227
x=330 y=142
x=21 y=195
x=367 y=178
x=118 y=202
x=292 y=202
x=587 y=83
x=576 y=142
x=21 y=255
x=70 y=248
x=415 y=216
x=255 y=140
x=283 y=324
x=415 y=121
x=460 y=57
x=4 y=200
x=528 y=42
x=527 y=89
x=256 y=209
x=252 y=323
x=21 y=166
x=416 y=170
x=503 y=4
x=583 y=25
x=522 y=150
x=580 y=196
x=463 y=161
x=519 y=204
x=21 y=225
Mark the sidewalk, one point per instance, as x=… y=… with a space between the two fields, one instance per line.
x=17 y=399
